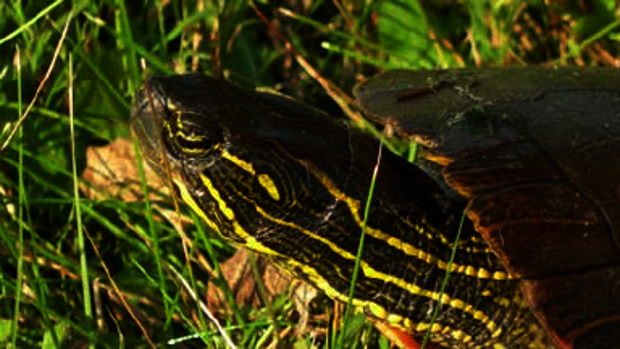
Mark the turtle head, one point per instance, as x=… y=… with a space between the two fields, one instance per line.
x=235 y=151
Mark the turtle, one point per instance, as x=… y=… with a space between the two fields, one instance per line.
x=505 y=233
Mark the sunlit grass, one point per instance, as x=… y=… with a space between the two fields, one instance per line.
x=48 y=269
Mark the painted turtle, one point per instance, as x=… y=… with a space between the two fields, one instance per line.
x=536 y=151
x=532 y=154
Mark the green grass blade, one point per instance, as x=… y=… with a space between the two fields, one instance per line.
x=88 y=312
x=22 y=193
x=427 y=336
x=152 y=229
x=30 y=22
x=360 y=249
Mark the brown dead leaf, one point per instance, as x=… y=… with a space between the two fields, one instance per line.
x=112 y=172
x=238 y=274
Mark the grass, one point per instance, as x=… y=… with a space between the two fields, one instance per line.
x=84 y=263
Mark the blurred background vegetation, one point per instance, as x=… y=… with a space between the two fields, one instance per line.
x=100 y=269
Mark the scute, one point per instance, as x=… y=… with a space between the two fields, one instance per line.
x=537 y=152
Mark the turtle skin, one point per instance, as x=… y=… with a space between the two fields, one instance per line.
x=536 y=152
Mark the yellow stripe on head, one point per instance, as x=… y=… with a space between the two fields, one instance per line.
x=267 y=183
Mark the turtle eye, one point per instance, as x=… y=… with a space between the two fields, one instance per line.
x=185 y=139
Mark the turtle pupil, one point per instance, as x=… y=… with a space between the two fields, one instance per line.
x=187 y=140
x=193 y=145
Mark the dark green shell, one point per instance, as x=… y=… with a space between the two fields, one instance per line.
x=537 y=153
